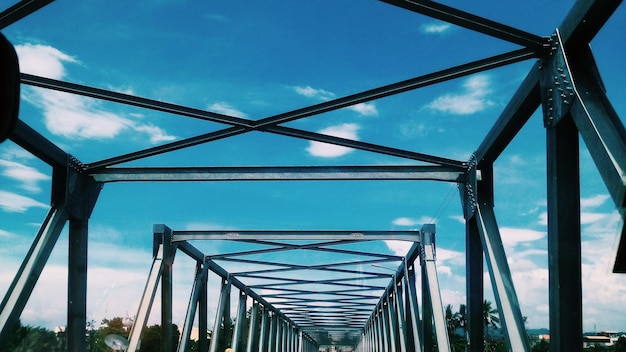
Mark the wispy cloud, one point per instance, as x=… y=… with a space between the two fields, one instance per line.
x=436 y=27
x=15 y=203
x=227 y=109
x=325 y=150
x=403 y=221
x=69 y=115
x=13 y=161
x=473 y=98
x=365 y=109
x=311 y=92
x=513 y=236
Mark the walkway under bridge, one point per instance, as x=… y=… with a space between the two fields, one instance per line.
x=295 y=306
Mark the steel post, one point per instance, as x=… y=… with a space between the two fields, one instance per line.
x=147 y=298
x=201 y=272
x=263 y=335
x=253 y=334
x=24 y=281
x=428 y=262
x=564 y=246
x=77 y=286
x=414 y=343
x=474 y=287
x=241 y=317
x=220 y=315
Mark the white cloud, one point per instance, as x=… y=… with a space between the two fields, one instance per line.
x=365 y=109
x=436 y=27
x=42 y=60
x=400 y=248
x=405 y=222
x=594 y=201
x=227 y=109
x=28 y=176
x=69 y=115
x=473 y=98
x=15 y=203
x=325 y=150
x=513 y=236
x=157 y=135
x=310 y=92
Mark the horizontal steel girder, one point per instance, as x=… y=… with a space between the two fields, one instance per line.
x=285 y=173
x=412 y=236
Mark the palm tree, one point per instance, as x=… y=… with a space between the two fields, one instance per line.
x=453 y=320
x=490 y=317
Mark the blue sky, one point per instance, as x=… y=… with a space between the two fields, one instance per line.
x=258 y=60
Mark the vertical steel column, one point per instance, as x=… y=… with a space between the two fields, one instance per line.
x=564 y=237
x=221 y=314
x=414 y=341
x=201 y=271
x=253 y=331
x=385 y=326
x=78 y=192
x=562 y=148
x=401 y=318
x=77 y=285
x=380 y=331
x=263 y=336
x=427 y=311
x=169 y=251
x=300 y=342
x=145 y=304
x=428 y=262
x=241 y=317
x=271 y=341
x=474 y=288
x=392 y=318
x=24 y=282
x=203 y=330
x=279 y=334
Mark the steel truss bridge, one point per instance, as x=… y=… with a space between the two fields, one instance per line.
x=293 y=308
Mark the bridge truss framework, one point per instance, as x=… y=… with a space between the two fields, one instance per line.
x=564 y=82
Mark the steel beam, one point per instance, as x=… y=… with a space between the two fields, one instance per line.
x=77 y=285
x=269 y=124
x=48 y=152
x=24 y=281
x=501 y=280
x=145 y=304
x=321 y=235
x=580 y=26
x=241 y=317
x=285 y=173
x=603 y=134
x=430 y=270
x=473 y=22
x=253 y=334
x=564 y=246
x=474 y=282
x=221 y=314
x=20 y=10
x=196 y=290
x=414 y=342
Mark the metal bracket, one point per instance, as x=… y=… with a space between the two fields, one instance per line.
x=81 y=190
x=469 y=196
x=557 y=86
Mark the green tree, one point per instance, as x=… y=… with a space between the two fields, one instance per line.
x=620 y=345
x=542 y=345
x=108 y=327
x=31 y=339
x=490 y=317
x=151 y=338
